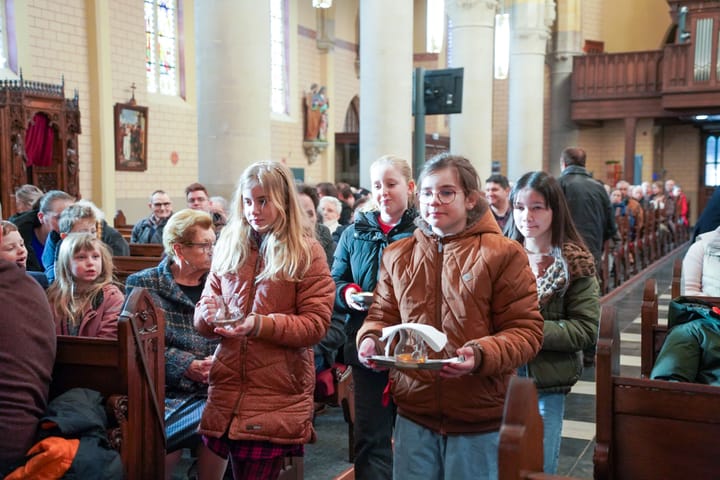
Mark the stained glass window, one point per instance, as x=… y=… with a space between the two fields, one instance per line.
x=278 y=56
x=161 y=46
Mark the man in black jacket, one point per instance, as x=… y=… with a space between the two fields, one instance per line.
x=590 y=208
x=588 y=201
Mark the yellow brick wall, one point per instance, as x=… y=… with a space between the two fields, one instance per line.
x=57 y=36
x=172 y=121
x=58 y=47
x=681 y=161
x=500 y=124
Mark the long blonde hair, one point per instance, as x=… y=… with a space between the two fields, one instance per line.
x=63 y=296
x=286 y=247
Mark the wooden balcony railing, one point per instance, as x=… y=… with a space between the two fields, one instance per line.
x=617 y=75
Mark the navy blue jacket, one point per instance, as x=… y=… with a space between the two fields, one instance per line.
x=357 y=260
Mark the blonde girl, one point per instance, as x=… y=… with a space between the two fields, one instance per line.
x=387 y=218
x=84 y=299
x=268 y=266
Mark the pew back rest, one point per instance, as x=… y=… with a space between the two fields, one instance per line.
x=116 y=368
x=125 y=266
x=146 y=250
x=651 y=428
x=520 y=453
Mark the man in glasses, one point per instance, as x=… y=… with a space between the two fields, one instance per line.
x=150 y=229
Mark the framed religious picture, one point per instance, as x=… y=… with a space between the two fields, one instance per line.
x=131 y=123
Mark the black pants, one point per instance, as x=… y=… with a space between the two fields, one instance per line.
x=373 y=423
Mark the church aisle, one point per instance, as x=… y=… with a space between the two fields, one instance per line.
x=328 y=457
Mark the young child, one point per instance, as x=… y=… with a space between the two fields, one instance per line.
x=355 y=269
x=76 y=218
x=269 y=265
x=568 y=293
x=84 y=299
x=458 y=274
x=12 y=249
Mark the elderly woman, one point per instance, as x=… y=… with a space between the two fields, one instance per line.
x=330 y=209
x=175 y=285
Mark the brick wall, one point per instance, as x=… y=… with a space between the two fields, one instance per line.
x=57 y=34
x=172 y=121
x=58 y=47
x=681 y=161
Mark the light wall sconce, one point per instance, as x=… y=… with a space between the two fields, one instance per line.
x=322 y=3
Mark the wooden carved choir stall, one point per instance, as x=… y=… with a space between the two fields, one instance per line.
x=38 y=139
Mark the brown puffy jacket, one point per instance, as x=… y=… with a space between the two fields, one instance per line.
x=261 y=387
x=476 y=287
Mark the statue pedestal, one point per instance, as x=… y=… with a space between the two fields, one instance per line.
x=313 y=148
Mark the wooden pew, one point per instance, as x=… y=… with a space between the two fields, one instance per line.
x=676 y=278
x=652 y=333
x=346 y=399
x=125 y=266
x=120 y=224
x=648 y=429
x=146 y=250
x=520 y=453
x=135 y=388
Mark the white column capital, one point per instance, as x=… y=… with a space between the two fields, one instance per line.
x=530 y=24
x=471 y=12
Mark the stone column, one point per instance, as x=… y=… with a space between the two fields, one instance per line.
x=473 y=29
x=567 y=44
x=233 y=84
x=530 y=22
x=386 y=68
x=101 y=108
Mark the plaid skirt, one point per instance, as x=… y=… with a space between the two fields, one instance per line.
x=250 y=449
x=182 y=418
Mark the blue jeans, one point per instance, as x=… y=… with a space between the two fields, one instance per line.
x=421 y=454
x=552 y=411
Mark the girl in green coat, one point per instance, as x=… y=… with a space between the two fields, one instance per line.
x=568 y=295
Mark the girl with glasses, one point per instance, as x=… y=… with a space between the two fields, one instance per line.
x=268 y=262
x=568 y=296
x=458 y=274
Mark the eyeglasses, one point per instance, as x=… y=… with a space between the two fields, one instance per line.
x=443 y=196
x=206 y=247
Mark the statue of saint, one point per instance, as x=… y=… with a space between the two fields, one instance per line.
x=316 y=105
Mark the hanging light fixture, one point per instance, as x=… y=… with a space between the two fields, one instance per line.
x=322 y=3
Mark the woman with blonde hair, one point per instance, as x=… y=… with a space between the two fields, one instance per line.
x=270 y=272
x=176 y=285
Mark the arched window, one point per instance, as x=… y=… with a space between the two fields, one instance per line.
x=279 y=100
x=163 y=47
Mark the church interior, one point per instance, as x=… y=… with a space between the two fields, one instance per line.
x=110 y=101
